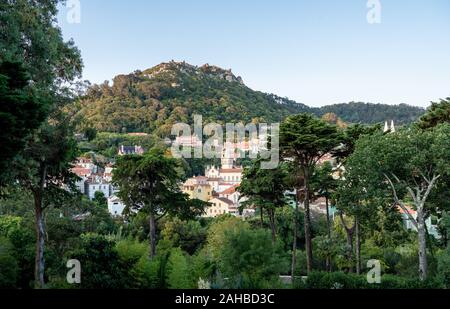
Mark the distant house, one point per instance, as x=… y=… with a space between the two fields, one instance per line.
x=232 y=194
x=115 y=206
x=86 y=163
x=83 y=174
x=232 y=175
x=431 y=226
x=107 y=175
x=201 y=191
x=188 y=141
x=130 y=150
x=220 y=206
x=94 y=184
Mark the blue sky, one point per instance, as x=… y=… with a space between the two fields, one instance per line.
x=318 y=52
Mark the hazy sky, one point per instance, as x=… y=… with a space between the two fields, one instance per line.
x=317 y=52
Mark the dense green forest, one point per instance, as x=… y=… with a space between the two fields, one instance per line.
x=153 y=100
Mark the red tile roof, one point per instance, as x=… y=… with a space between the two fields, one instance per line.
x=230 y=190
x=81 y=171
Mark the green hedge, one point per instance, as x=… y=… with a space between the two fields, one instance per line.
x=340 y=280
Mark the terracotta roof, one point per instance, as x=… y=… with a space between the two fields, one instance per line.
x=410 y=210
x=81 y=171
x=230 y=190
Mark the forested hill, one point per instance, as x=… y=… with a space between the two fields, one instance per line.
x=358 y=112
x=152 y=100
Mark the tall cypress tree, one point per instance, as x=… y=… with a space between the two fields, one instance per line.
x=304 y=140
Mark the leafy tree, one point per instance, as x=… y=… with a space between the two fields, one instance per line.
x=305 y=139
x=323 y=184
x=436 y=114
x=100 y=200
x=178 y=273
x=217 y=230
x=265 y=189
x=31 y=36
x=350 y=136
x=101 y=266
x=44 y=170
x=424 y=157
x=90 y=133
x=250 y=259
x=21 y=111
x=188 y=235
x=8 y=264
x=148 y=183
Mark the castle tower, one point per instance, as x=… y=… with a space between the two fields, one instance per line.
x=392 y=127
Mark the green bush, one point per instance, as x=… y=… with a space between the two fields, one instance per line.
x=340 y=280
x=397 y=282
x=443 y=266
x=9 y=270
x=178 y=272
x=336 y=280
x=250 y=259
x=100 y=264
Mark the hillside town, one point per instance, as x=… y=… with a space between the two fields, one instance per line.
x=218 y=185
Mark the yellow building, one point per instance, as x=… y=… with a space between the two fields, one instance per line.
x=219 y=206
x=198 y=191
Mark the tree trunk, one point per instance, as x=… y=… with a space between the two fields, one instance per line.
x=349 y=232
x=308 y=242
x=421 y=229
x=328 y=260
x=350 y=251
x=152 y=224
x=358 y=246
x=294 y=243
x=271 y=214
x=261 y=222
x=39 y=263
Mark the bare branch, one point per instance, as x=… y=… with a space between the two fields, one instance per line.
x=400 y=202
x=430 y=187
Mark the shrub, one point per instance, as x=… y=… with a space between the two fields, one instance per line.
x=250 y=259
x=101 y=267
x=9 y=270
x=443 y=266
x=178 y=274
x=336 y=280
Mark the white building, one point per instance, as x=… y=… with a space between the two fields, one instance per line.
x=432 y=228
x=231 y=194
x=94 y=184
x=87 y=163
x=115 y=206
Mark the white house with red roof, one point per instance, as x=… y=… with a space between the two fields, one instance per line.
x=431 y=226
